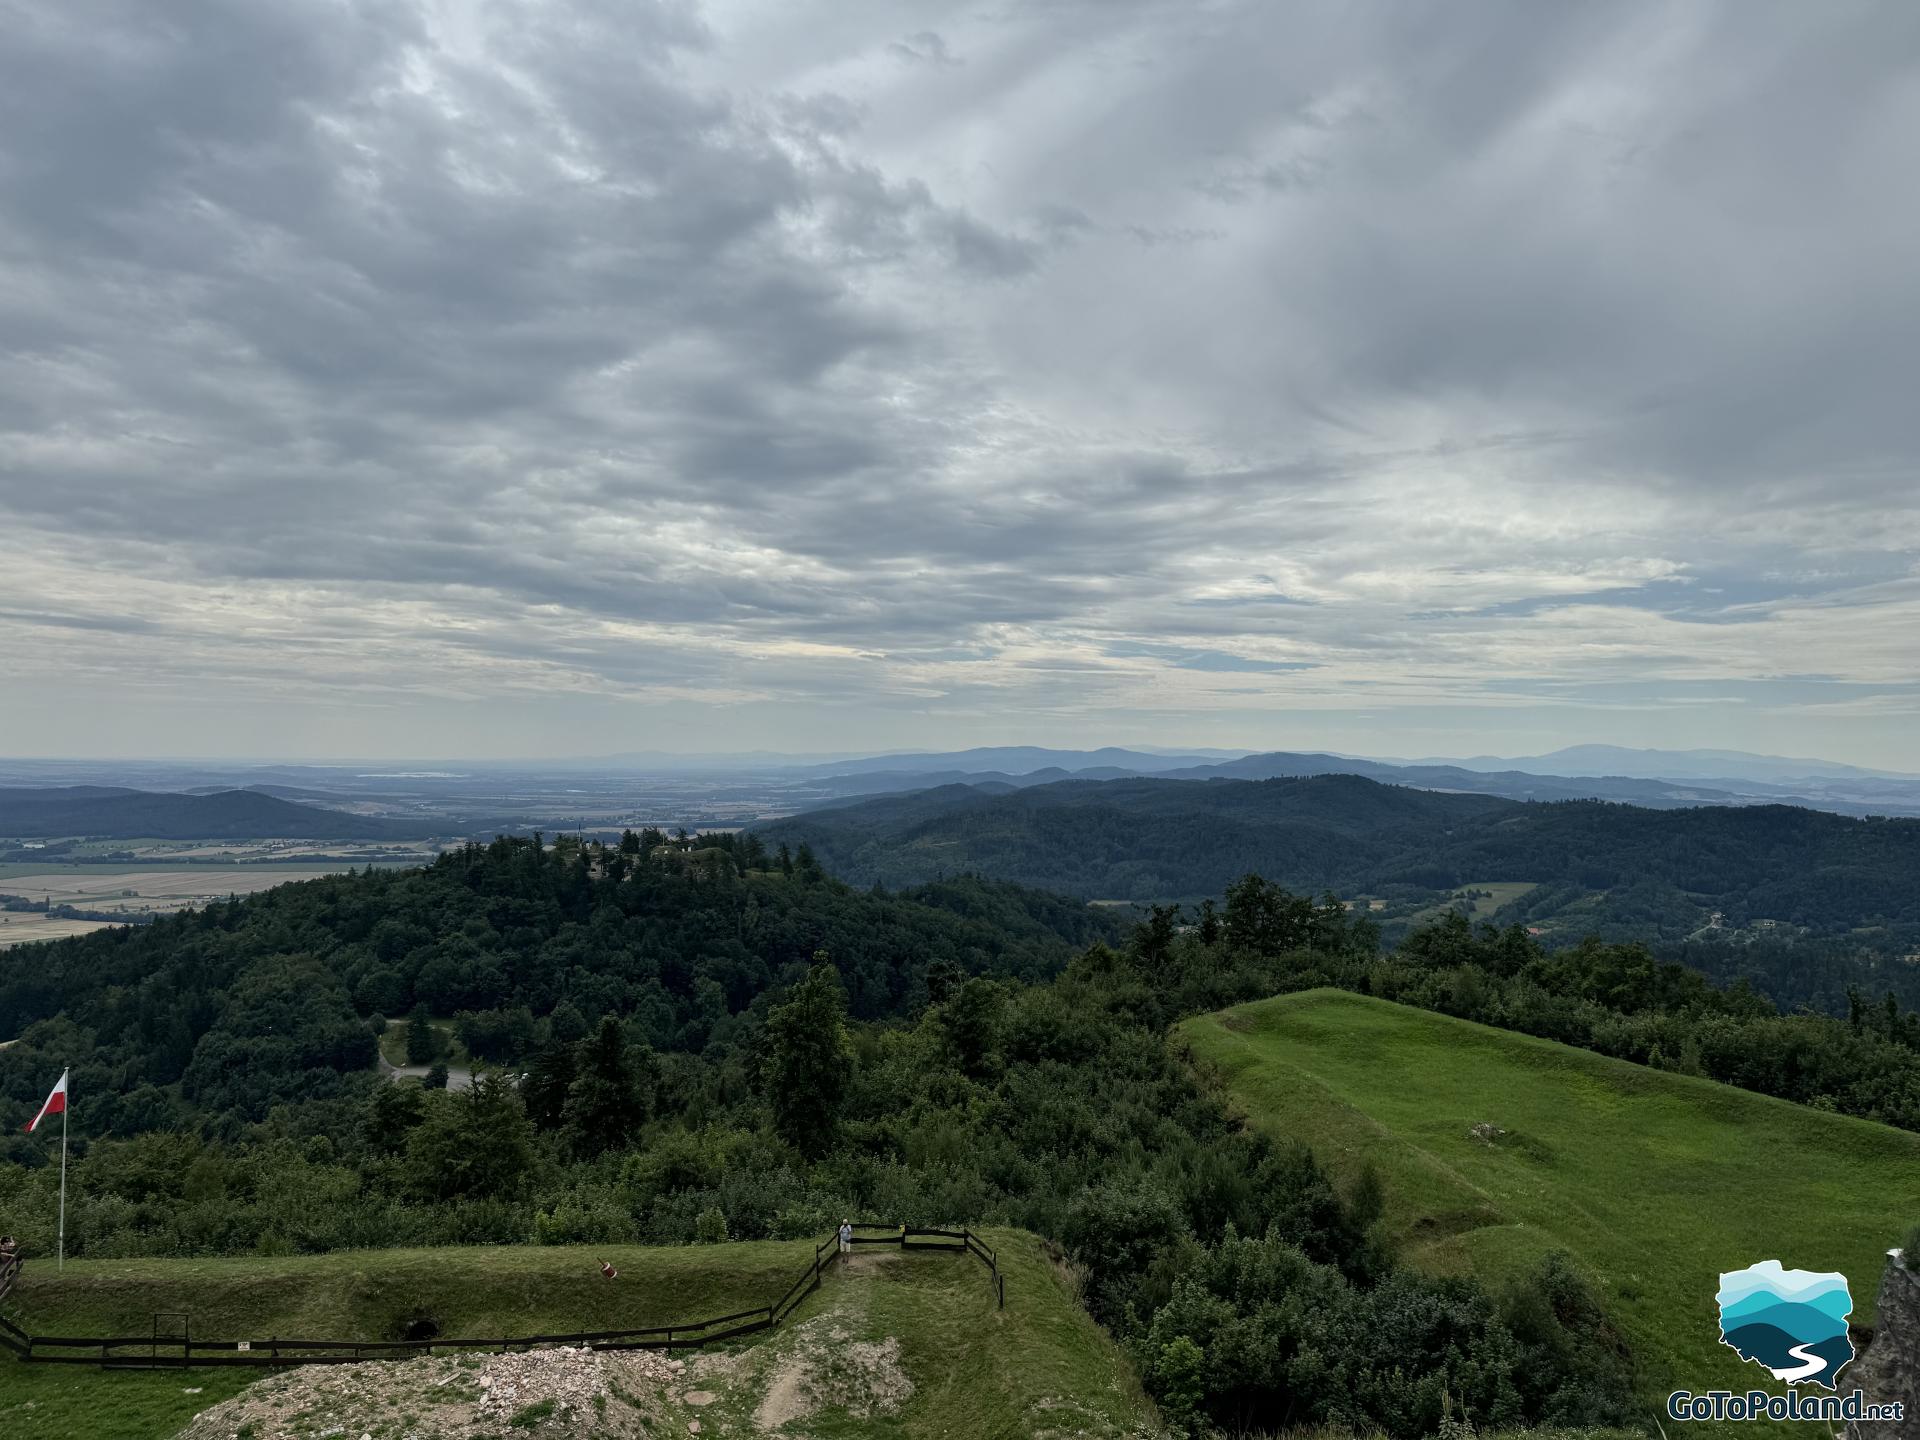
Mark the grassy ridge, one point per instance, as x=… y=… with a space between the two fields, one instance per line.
x=471 y=1291
x=478 y=1291
x=976 y=1370
x=1655 y=1183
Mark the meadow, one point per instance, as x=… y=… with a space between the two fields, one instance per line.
x=1654 y=1183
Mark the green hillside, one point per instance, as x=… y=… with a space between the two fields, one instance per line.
x=1654 y=1182
x=1038 y=1365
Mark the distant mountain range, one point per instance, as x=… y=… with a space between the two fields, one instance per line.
x=1670 y=765
x=1023 y=759
x=1651 y=778
x=112 y=813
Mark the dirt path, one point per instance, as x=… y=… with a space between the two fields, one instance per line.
x=458 y=1076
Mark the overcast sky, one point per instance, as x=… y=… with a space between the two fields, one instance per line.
x=421 y=377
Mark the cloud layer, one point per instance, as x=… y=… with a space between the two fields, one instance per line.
x=412 y=375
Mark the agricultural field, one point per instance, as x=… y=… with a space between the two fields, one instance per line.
x=897 y=1344
x=24 y=928
x=1654 y=1183
x=1478 y=900
x=145 y=889
x=137 y=888
x=157 y=853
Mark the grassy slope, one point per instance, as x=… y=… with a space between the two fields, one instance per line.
x=1504 y=892
x=393 y=1044
x=1655 y=1183
x=976 y=1370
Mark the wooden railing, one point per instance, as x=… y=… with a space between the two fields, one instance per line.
x=124 y=1352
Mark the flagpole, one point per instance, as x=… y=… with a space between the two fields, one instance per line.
x=62 y=1265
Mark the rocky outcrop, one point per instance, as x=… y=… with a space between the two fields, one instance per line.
x=1890 y=1368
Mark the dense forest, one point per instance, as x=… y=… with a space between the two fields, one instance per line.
x=224 y=1012
x=1623 y=872
x=700 y=1040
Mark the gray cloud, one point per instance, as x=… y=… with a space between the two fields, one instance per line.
x=1485 y=369
x=924 y=48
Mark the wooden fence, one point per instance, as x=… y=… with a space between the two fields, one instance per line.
x=181 y=1350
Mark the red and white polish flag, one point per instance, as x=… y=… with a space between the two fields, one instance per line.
x=56 y=1102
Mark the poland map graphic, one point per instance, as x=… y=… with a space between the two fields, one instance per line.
x=1793 y=1322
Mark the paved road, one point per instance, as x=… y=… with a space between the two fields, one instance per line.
x=457 y=1077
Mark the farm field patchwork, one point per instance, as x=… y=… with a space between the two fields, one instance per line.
x=135 y=889
x=1654 y=1183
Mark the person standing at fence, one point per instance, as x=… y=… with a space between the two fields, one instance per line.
x=846 y=1237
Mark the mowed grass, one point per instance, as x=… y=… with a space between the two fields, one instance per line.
x=478 y=1292
x=482 y=1290
x=1041 y=1365
x=1038 y=1366
x=1654 y=1183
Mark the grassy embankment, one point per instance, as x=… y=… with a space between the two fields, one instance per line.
x=1655 y=1183
x=975 y=1370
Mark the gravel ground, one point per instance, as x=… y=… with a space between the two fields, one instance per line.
x=558 y=1394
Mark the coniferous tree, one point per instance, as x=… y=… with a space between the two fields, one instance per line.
x=472 y=1144
x=971 y=1020
x=810 y=1062
x=423 y=1045
x=548 y=1080
x=805 y=864
x=392 y=1113
x=603 y=1104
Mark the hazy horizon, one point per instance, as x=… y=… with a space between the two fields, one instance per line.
x=564 y=378
x=718 y=758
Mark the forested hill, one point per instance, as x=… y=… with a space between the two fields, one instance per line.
x=1136 y=839
x=268 y=999
x=1656 y=874
x=112 y=812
